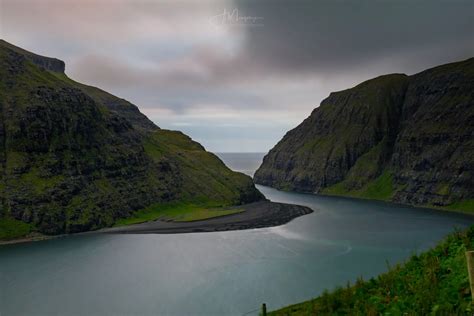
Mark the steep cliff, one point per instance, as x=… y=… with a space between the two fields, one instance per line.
x=408 y=139
x=75 y=158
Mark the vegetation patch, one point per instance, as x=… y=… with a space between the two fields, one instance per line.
x=11 y=228
x=180 y=212
x=39 y=183
x=432 y=283
x=379 y=189
x=443 y=189
x=337 y=189
x=463 y=206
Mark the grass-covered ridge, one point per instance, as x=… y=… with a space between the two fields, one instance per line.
x=432 y=283
x=204 y=177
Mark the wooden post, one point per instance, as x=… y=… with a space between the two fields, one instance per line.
x=264 y=309
x=470 y=270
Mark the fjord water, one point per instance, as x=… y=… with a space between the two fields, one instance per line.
x=223 y=273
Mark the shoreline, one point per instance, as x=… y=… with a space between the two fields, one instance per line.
x=357 y=198
x=422 y=207
x=28 y=239
x=255 y=215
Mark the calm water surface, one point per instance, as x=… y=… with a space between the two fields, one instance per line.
x=225 y=273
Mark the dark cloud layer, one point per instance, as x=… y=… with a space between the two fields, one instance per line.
x=336 y=36
x=320 y=39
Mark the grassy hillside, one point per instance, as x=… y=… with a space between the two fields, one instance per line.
x=75 y=158
x=432 y=283
x=406 y=139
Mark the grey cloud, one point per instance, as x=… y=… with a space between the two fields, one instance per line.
x=336 y=36
x=320 y=39
x=174 y=90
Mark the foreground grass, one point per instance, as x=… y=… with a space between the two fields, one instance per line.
x=180 y=212
x=433 y=283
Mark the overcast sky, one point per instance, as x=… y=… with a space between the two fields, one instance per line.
x=236 y=76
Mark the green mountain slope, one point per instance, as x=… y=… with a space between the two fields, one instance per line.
x=75 y=158
x=433 y=283
x=408 y=139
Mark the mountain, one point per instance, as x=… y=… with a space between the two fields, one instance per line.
x=406 y=139
x=76 y=158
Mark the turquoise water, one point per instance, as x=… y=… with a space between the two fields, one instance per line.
x=224 y=273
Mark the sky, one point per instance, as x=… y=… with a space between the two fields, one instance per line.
x=237 y=75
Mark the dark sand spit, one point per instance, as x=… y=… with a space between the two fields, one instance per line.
x=256 y=215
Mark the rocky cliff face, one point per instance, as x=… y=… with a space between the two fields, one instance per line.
x=47 y=63
x=75 y=158
x=407 y=139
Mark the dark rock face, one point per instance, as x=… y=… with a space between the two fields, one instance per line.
x=75 y=158
x=434 y=154
x=51 y=64
x=121 y=108
x=47 y=63
x=416 y=132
